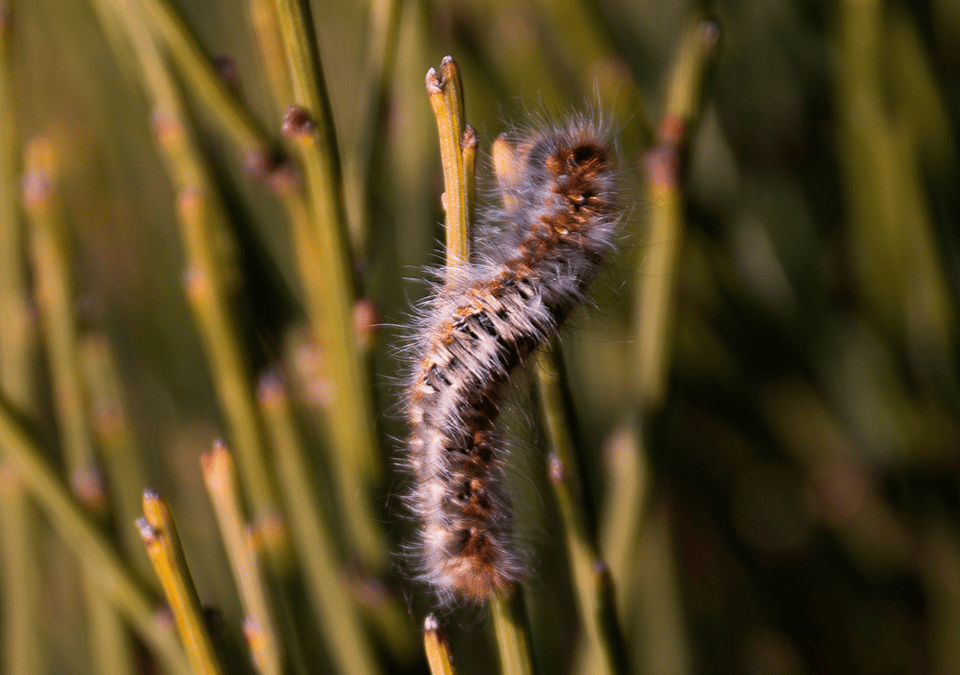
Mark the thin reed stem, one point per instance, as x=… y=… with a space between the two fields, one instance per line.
x=266 y=33
x=18 y=337
x=592 y=584
x=19 y=580
x=210 y=88
x=665 y=166
x=211 y=268
x=259 y=623
x=510 y=628
x=204 y=285
x=56 y=297
x=115 y=438
x=458 y=150
x=316 y=548
x=110 y=644
x=159 y=533
x=308 y=123
x=359 y=164
x=19 y=643
x=113 y=576
x=437 y=647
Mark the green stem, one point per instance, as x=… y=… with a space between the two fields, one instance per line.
x=665 y=166
x=259 y=624
x=437 y=647
x=211 y=268
x=509 y=624
x=458 y=146
x=114 y=578
x=56 y=297
x=18 y=346
x=115 y=438
x=211 y=89
x=21 y=648
x=592 y=583
x=313 y=540
x=308 y=123
x=160 y=536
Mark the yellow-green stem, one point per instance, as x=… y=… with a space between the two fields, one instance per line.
x=510 y=628
x=19 y=581
x=437 y=647
x=313 y=540
x=159 y=535
x=308 y=123
x=592 y=585
x=665 y=167
x=210 y=266
x=115 y=438
x=259 y=623
x=55 y=297
x=110 y=644
x=204 y=286
x=266 y=32
x=18 y=340
x=457 y=153
x=202 y=77
x=20 y=643
x=381 y=53
x=82 y=537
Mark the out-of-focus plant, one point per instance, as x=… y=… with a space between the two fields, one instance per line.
x=744 y=459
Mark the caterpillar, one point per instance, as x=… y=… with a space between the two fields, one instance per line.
x=487 y=316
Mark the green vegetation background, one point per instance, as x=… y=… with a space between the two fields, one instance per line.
x=796 y=498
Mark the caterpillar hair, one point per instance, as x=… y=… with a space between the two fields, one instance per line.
x=547 y=242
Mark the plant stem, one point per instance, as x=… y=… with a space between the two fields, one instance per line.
x=509 y=624
x=159 y=534
x=201 y=76
x=55 y=297
x=316 y=549
x=211 y=268
x=458 y=148
x=113 y=577
x=592 y=583
x=115 y=438
x=21 y=649
x=259 y=623
x=20 y=644
x=308 y=123
x=359 y=164
x=665 y=166
x=437 y=647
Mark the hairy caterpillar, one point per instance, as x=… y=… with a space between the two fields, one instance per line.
x=556 y=226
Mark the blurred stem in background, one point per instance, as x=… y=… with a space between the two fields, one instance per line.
x=666 y=165
x=118 y=447
x=56 y=298
x=114 y=578
x=366 y=148
x=20 y=644
x=334 y=609
x=591 y=577
x=210 y=274
x=259 y=626
x=888 y=125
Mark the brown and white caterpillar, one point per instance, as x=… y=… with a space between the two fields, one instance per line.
x=557 y=224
